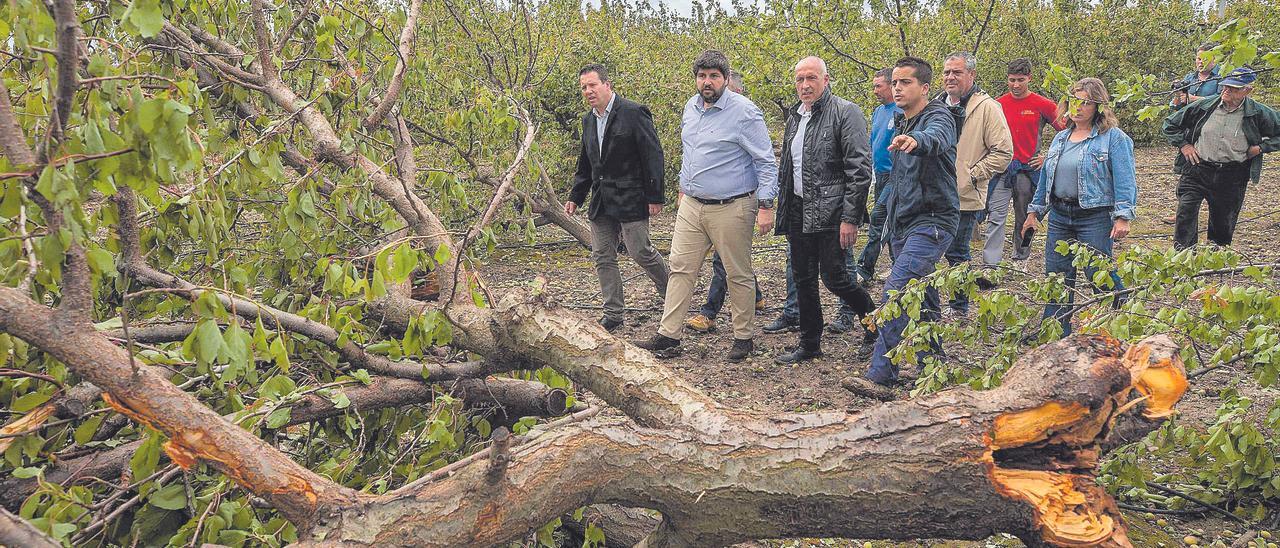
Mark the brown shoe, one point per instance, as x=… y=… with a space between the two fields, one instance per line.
x=868 y=388
x=1172 y=219
x=700 y=323
x=760 y=305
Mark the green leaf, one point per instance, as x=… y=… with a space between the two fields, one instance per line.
x=146 y=15
x=27 y=472
x=279 y=353
x=9 y=205
x=277 y=386
x=208 y=341
x=144 y=460
x=102 y=261
x=340 y=400
x=279 y=416
x=362 y=376
x=84 y=432
x=170 y=497
x=27 y=402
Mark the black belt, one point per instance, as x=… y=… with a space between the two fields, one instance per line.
x=1062 y=201
x=1223 y=165
x=705 y=201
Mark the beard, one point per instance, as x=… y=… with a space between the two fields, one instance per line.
x=710 y=94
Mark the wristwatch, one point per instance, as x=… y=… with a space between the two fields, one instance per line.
x=766 y=203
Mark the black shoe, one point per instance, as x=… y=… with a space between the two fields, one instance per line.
x=741 y=349
x=609 y=324
x=1021 y=254
x=661 y=345
x=985 y=284
x=798 y=355
x=843 y=324
x=782 y=325
x=868 y=388
x=868 y=344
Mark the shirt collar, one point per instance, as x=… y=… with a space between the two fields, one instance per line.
x=607 y=108
x=720 y=103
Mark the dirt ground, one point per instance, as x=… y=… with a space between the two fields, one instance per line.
x=759 y=384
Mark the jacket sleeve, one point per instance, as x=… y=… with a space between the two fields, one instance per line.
x=651 y=157
x=1175 y=126
x=999 y=142
x=937 y=134
x=582 y=177
x=855 y=152
x=1124 y=176
x=1269 y=128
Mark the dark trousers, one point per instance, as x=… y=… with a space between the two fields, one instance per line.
x=819 y=254
x=1223 y=186
x=960 y=251
x=871 y=252
x=718 y=288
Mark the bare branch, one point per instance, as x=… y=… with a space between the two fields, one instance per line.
x=12 y=137
x=263 y=36
x=68 y=27
x=15 y=531
x=403 y=50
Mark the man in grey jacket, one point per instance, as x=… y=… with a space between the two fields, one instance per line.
x=823 y=183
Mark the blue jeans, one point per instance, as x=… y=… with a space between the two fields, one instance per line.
x=791 y=308
x=915 y=255
x=1091 y=227
x=718 y=288
x=871 y=252
x=959 y=252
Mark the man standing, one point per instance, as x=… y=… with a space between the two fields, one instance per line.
x=1221 y=140
x=1196 y=85
x=923 y=210
x=882 y=131
x=705 y=319
x=985 y=149
x=728 y=178
x=621 y=166
x=823 y=184
x=1027 y=113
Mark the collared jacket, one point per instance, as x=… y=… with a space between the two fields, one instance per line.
x=1261 y=128
x=1108 y=177
x=836 y=166
x=624 y=175
x=922 y=184
x=984 y=150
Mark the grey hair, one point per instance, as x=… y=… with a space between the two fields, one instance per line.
x=970 y=62
x=886 y=73
x=735 y=82
x=822 y=65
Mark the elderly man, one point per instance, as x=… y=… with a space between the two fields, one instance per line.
x=728 y=179
x=620 y=164
x=1221 y=140
x=985 y=149
x=823 y=184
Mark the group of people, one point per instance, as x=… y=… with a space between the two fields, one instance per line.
x=944 y=167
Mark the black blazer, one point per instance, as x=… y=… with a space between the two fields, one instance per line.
x=625 y=175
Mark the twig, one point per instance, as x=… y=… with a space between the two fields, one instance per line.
x=63 y=160
x=1211 y=507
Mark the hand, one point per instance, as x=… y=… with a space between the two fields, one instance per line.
x=1037 y=161
x=1031 y=222
x=764 y=221
x=904 y=143
x=655 y=209
x=848 y=235
x=570 y=208
x=1253 y=151
x=1119 y=229
x=1189 y=152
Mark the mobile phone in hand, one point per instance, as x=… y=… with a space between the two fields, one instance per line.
x=1027 y=234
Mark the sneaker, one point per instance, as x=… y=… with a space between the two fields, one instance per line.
x=984 y=283
x=867 y=388
x=700 y=323
x=760 y=305
x=843 y=324
x=1172 y=219
x=798 y=355
x=782 y=325
x=661 y=345
x=610 y=324
x=868 y=344
x=741 y=349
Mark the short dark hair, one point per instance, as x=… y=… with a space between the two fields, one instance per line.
x=597 y=68
x=1020 y=66
x=712 y=60
x=886 y=73
x=922 y=69
x=1207 y=46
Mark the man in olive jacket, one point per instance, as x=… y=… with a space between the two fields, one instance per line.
x=621 y=166
x=823 y=183
x=1221 y=140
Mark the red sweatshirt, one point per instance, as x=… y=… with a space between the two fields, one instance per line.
x=1026 y=117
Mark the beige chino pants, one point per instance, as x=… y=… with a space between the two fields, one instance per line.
x=699 y=227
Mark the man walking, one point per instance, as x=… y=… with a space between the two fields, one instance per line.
x=729 y=178
x=923 y=210
x=823 y=184
x=1221 y=140
x=705 y=320
x=1027 y=113
x=620 y=165
x=985 y=149
x=882 y=131
x=1196 y=85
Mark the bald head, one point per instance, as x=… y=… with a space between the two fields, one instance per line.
x=811 y=79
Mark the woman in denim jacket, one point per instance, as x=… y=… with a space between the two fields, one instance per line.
x=1088 y=183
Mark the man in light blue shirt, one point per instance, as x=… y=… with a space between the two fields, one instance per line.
x=729 y=180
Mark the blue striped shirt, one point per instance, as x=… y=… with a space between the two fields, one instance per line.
x=727 y=150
